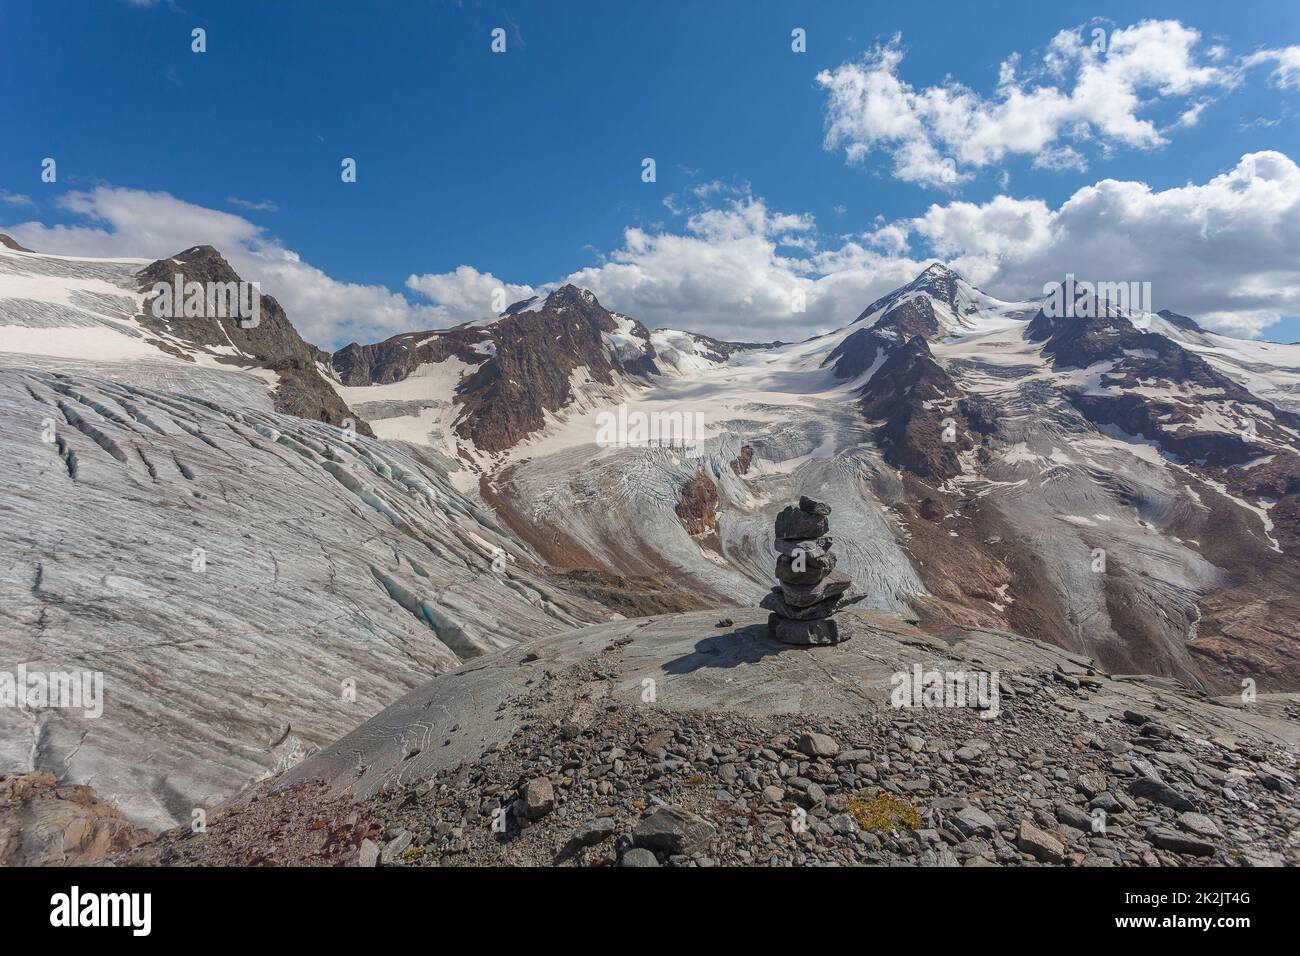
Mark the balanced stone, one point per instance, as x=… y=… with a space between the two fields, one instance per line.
x=804 y=632
x=807 y=595
x=804 y=569
x=811 y=548
x=775 y=601
x=804 y=595
x=795 y=523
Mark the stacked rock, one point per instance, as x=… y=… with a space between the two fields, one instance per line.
x=802 y=604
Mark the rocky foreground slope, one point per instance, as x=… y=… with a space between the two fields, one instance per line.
x=686 y=740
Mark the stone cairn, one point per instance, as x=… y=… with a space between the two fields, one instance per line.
x=802 y=604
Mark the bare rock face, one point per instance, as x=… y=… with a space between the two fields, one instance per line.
x=9 y=243
x=44 y=823
x=740 y=464
x=698 y=507
x=858 y=353
x=926 y=418
x=273 y=341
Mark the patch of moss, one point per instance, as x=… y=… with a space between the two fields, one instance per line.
x=413 y=853
x=881 y=811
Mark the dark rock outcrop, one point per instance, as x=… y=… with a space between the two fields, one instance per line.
x=273 y=341
x=925 y=419
x=698 y=509
x=740 y=465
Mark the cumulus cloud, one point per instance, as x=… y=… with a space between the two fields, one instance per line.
x=1223 y=252
x=119 y=222
x=1091 y=87
x=738 y=271
x=732 y=266
x=467 y=294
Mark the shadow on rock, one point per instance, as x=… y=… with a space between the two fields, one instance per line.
x=745 y=645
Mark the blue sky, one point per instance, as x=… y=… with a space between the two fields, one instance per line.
x=527 y=165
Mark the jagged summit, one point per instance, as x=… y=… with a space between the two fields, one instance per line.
x=939 y=304
x=938 y=280
x=1181 y=321
x=567 y=295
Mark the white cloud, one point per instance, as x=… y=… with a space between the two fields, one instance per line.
x=1286 y=75
x=1223 y=252
x=264 y=205
x=725 y=275
x=1095 y=91
x=467 y=294
x=138 y=224
x=16 y=199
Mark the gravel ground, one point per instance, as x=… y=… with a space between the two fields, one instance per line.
x=588 y=779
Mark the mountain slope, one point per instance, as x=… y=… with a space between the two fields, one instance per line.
x=56 y=310
x=479 y=389
x=1117 y=485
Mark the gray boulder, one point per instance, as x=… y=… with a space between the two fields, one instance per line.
x=806 y=633
x=673 y=830
x=795 y=523
x=638 y=857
